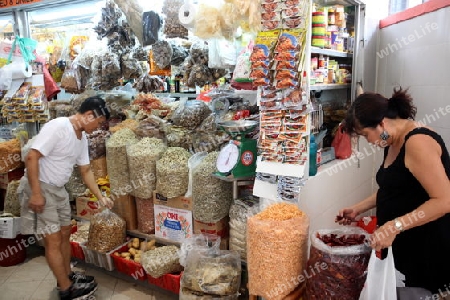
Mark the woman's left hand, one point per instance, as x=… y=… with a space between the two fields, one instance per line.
x=384 y=236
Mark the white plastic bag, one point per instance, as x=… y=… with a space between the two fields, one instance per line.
x=6 y=77
x=381 y=279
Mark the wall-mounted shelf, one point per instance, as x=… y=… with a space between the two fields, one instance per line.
x=330 y=86
x=330 y=52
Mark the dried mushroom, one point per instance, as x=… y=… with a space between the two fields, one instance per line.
x=172 y=172
x=147 y=84
x=97 y=143
x=143 y=175
x=107 y=231
x=116 y=160
x=161 y=261
x=162 y=54
x=211 y=196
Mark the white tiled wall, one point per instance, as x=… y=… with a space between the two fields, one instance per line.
x=328 y=192
x=422 y=64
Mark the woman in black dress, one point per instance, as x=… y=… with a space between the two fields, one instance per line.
x=413 y=199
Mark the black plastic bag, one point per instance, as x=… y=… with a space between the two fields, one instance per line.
x=152 y=23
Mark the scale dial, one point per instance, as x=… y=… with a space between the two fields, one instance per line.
x=228 y=158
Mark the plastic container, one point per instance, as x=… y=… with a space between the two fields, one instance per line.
x=128 y=267
x=312 y=156
x=169 y=282
x=102 y=260
x=318 y=41
x=318 y=17
x=75 y=247
x=319 y=29
x=13 y=252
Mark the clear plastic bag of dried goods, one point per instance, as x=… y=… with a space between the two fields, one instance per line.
x=172 y=172
x=186 y=294
x=143 y=175
x=145 y=215
x=240 y=211
x=152 y=23
x=161 y=261
x=178 y=137
x=12 y=203
x=343 y=256
x=97 y=143
x=211 y=196
x=75 y=186
x=106 y=231
x=277 y=244
x=152 y=126
x=179 y=54
x=116 y=160
x=193 y=162
x=190 y=113
x=213 y=273
x=209 y=141
x=209 y=243
x=162 y=54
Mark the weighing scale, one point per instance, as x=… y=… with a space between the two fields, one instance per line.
x=238 y=158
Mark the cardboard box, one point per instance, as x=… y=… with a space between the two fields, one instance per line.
x=172 y=223
x=125 y=206
x=87 y=208
x=176 y=202
x=9 y=227
x=220 y=228
x=6 y=178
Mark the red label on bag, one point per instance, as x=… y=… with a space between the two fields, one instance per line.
x=11 y=3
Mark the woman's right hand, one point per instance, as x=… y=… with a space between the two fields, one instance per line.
x=346 y=216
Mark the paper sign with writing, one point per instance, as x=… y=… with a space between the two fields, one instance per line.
x=11 y=3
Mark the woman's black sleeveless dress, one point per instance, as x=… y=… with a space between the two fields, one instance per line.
x=421 y=253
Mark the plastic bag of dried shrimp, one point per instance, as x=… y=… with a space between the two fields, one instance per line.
x=277 y=241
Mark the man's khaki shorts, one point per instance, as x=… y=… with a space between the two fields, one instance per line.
x=56 y=210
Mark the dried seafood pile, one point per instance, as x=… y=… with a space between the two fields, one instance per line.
x=115 y=28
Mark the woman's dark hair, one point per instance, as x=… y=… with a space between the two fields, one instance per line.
x=369 y=109
x=97 y=105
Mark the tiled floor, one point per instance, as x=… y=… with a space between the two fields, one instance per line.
x=33 y=280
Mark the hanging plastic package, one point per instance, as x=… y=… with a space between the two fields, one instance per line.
x=222 y=54
x=152 y=23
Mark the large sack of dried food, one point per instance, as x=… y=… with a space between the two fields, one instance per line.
x=161 y=261
x=106 y=231
x=116 y=160
x=12 y=203
x=152 y=126
x=214 y=273
x=277 y=244
x=343 y=257
x=240 y=211
x=211 y=196
x=10 y=149
x=145 y=215
x=172 y=172
x=178 y=137
x=142 y=158
x=201 y=243
x=190 y=113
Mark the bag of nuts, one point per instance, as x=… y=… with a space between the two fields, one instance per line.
x=343 y=257
x=145 y=215
x=190 y=113
x=143 y=175
x=116 y=160
x=106 y=231
x=172 y=172
x=211 y=196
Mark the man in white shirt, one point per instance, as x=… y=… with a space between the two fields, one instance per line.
x=45 y=207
